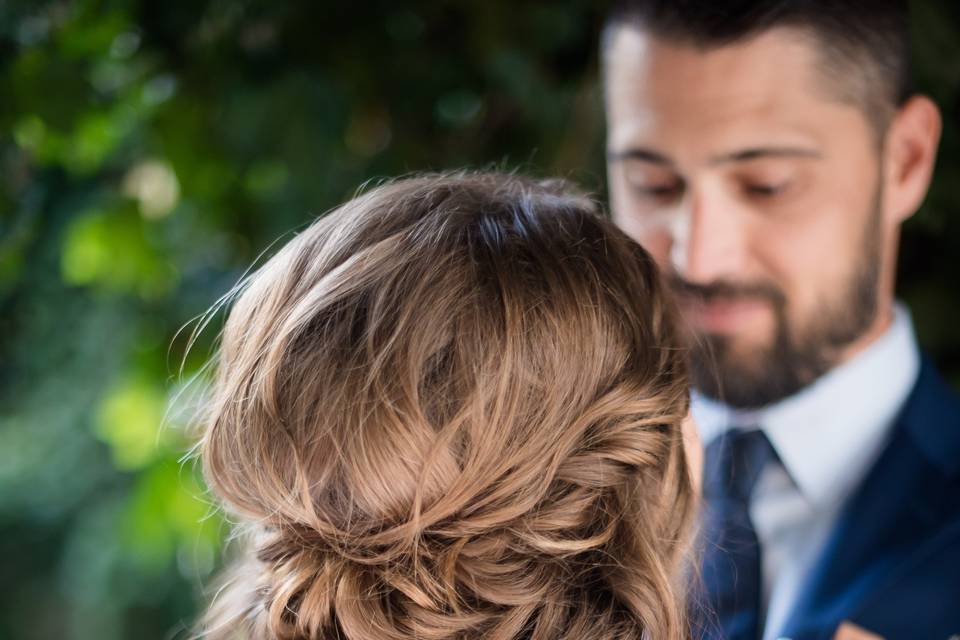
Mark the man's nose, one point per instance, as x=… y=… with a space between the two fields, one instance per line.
x=708 y=239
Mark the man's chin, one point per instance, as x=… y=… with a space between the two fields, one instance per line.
x=740 y=372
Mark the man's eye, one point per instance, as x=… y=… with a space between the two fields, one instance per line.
x=766 y=190
x=659 y=192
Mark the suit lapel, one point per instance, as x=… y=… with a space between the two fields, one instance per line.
x=901 y=522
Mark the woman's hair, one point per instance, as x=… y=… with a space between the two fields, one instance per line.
x=452 y=408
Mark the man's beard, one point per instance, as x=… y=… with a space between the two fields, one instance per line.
x=797 y=355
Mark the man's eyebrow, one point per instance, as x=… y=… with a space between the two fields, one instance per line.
x=639 y=153
x=741 y=155
x=754 y=153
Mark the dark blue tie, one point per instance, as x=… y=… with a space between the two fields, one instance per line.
x=731 y=564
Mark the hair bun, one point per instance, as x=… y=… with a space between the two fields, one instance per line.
x=452 y=408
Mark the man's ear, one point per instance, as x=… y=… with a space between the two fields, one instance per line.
x=910 y=154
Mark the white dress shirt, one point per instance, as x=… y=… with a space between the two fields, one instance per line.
x=827 y=437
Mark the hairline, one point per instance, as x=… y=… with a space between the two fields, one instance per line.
x=846 y=74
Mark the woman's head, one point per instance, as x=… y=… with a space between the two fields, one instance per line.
x=451 y=408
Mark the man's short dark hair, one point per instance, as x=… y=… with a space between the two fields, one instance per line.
x=864 y=44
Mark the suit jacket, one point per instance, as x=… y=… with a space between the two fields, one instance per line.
x=892 y=563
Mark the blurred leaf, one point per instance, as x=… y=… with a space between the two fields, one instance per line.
x=111 y=249
x=129 y=420
x=166 y=513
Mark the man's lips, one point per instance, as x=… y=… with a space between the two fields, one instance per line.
x=723 y=315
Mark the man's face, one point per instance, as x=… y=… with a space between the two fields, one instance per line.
x=758 y=193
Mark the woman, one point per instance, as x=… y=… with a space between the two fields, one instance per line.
x=452 y=408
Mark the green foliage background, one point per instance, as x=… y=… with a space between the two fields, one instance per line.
x=150 y=151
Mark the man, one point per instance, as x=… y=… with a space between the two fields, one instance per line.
x=766 y=153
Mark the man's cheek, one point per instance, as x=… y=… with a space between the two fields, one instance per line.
x=657 y=241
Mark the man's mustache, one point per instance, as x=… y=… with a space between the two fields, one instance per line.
x=725 y=290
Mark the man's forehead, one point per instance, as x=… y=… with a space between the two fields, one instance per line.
x=753 y=92
x=657 y=67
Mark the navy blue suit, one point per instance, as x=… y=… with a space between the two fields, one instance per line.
x=892 y=563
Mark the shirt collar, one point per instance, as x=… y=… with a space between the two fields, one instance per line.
x=828 y=433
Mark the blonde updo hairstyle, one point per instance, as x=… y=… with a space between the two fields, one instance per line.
x=451 y=408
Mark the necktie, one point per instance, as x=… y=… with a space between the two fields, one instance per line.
x=731 y=564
